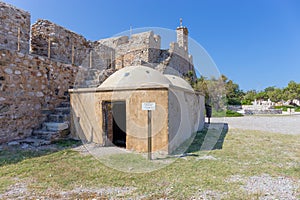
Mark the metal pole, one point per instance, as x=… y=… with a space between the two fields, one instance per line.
x=49 y=47
x=90 y=59
x=72 y=55
x=19 y=33
x=149 y=135
x=111 y=60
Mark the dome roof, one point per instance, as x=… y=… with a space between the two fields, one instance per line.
x=179 y=82
x=135 y=77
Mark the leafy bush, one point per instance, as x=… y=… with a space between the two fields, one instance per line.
x=227 y=113
x=284 y=108
x=246 y=102
x=230 y=113
x=233 y=101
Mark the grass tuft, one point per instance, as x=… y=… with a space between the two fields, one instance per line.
x=242 y=153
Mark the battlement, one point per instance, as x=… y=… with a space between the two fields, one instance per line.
x=14 y=28
x=57 y=42
x=124 y=44
x=62 y=45
x=176 y=49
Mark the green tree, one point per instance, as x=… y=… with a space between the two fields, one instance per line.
x=275 y=95
x=190 y=77
x=292 y=91
x=262 y=95
x=217 y=93
x=249 y=97
x=233 y=93
x=201 y=86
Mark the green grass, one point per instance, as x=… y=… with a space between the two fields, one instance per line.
x=227 y=113
x=244 y=153
x=65 y=143
x=284 y=108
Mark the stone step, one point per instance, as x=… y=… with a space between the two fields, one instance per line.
x=58 y=118
x=35 y=141
x=65 y=104
x=55 y=126
x=61 y=110
x=27 y=142
x=46 y=111
x=44 y=134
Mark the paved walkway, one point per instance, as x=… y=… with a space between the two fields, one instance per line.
x=285 y=124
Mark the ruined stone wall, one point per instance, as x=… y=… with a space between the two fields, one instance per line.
x=144 y=48
x=14 y=28
x=64 y=44
x=180 y=60
x=102 y=57
x=138 y=49
x=29 y=84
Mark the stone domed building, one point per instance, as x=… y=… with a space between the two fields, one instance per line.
x=112 y=114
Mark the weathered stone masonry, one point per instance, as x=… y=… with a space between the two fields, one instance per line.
x=14 y=28
x=29 y=84
x=64 y=44
x=37 y=70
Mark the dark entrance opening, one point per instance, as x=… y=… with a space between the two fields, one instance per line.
x=115 y=123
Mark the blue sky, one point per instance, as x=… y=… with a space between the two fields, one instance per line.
x=255 y=43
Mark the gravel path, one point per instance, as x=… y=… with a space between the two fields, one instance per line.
x=268 y=187
x=285 y=124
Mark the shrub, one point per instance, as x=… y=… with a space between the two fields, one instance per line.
x=227 y=113
x=230 y=113
x=246 y=102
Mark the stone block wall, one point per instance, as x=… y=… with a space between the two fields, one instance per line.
x=102 y=57
x=63 y=43
x=29 y=84
x=144 y=40
x=139 y=48
x=14 y=28
x=180 y=60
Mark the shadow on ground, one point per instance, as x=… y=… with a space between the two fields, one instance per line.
x=15 y=154
x=210 y=138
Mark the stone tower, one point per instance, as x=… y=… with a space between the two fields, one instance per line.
x=182 y=36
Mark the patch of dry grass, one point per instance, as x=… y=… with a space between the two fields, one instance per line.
x=244 y=153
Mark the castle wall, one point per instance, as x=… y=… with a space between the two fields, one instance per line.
x=138 y=49
x=102 y=57
x=29 y=84
x=64 y=44
x=180 y=60
x=14 y=28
